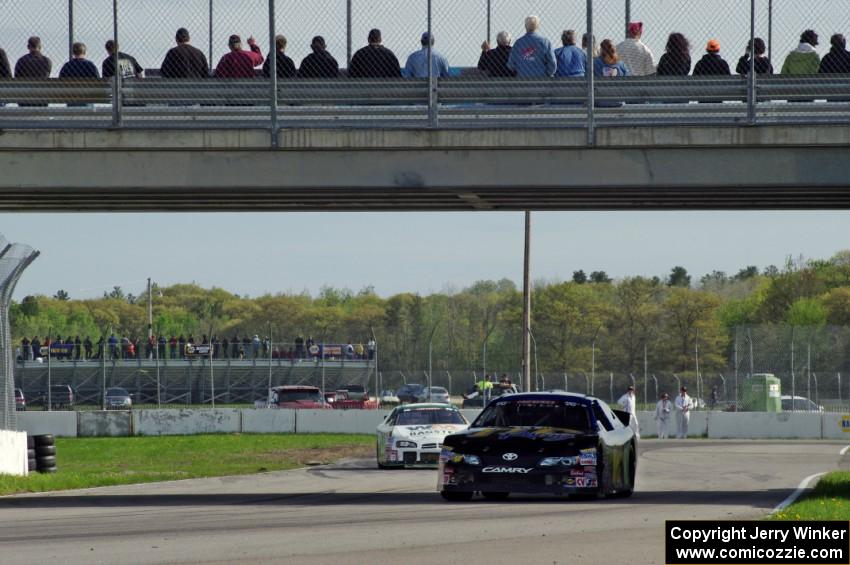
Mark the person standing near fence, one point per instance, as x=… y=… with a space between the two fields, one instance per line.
x=319 y=63
x=838 y=59
x=762 y=63
x=628 y=402
x=532 y=54
x=34 y=64
x=238 y=62
x=417 y=62
x=185 y=60
x=374 y=60
x=285 y=65
x=634 y=53
x=676 y=60
x=684 y=405
x=571 y=59
x=127 y=64
x=711 y=63
x=662 y=415
x=494 y=62
x=803 y=60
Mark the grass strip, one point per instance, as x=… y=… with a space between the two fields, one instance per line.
x=94 y=462
x=829 y=500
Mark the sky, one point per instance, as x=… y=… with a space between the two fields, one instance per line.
x=254 y=254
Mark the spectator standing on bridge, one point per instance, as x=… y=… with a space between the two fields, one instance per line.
x=25 y=349
x=532 y=54
x=762 y=63
x=374 y=60
x=711 y=63
x=319 y=63
x=127 y=64
x=173 y=344
x=255 y=346
x=684 y=404
x=628 y=402
x=676 y=60
x=285 y=64
x=34 y=64
x=113 y=346
x=87 y=346
x=608 y=64
x=77 y=348
x=571 y=59
x=36 y=347
x=838 y=59
x=181 y=346
x=370 y=347
x=494 y=62
x=185 y=60
x=359 y=351
x=634 y=53
x=662 y=415
x=417 y=62
x=803 y=60
x=161 y=344
x=5 y=69
x=239 y=63
x=299 y=347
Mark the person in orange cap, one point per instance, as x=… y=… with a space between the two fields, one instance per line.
x=712 y=63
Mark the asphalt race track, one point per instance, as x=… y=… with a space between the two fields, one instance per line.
x=354 y=513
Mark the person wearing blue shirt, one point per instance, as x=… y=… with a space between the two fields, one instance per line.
x=532 y=54
x=79 y=66
x=417 y=62
x=571 y=60
x=608 y=64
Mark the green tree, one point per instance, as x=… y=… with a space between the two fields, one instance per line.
x=679 y=277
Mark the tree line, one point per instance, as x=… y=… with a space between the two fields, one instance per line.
x=590 y=320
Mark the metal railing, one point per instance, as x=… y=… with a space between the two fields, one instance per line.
x=468 y=98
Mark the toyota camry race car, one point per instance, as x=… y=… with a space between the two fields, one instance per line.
x=413 y=434
x=556 y=443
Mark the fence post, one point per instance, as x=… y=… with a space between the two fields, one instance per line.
x=348 y=33
x=591 y=101
x=751 y=78
x=432 y=80
x=489 y=17
x=273 y=84
x=70 y=29
x=116 y=78
x=210 y=52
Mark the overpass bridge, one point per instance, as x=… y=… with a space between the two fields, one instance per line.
x=381 y=169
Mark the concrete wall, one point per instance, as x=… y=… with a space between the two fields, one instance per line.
x=747 y=425
x=100 y=424
x=339 y=421
x=743 y=425
x=13 y=453
x=187 y=422
x=268 y=421
x=63 y=424
x=836 y=426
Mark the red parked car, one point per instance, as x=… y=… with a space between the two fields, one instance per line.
x=295 y=397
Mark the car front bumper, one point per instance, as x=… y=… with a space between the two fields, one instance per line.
x=468 y=478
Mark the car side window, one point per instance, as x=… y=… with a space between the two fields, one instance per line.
x=390 y=421
x=602 y=417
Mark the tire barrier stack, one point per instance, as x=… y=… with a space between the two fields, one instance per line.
x=41 y=451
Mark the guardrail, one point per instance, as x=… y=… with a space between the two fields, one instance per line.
x=459 y=102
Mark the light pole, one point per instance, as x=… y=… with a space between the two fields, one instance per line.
x=526 y=304
x=534 y=341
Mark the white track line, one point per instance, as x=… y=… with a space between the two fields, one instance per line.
x=844 y=451
x=804 y=484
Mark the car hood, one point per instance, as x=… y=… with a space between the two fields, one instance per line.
x=427 y=431
x=538 y=439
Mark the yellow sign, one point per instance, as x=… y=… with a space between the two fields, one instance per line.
x=845 y=423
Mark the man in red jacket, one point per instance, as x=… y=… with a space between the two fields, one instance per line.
x=239 y=63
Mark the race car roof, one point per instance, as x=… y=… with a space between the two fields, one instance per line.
x=426 y=405
x=570 y=396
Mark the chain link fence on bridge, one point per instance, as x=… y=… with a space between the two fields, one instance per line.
x=318 y=45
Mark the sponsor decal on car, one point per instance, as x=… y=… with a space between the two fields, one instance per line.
x=576 y=472
x=586 y=482
x=519 y=470
x=569 y=481
x=587 y=457
x=590 y=468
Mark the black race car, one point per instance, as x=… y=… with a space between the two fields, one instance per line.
x=556 y=443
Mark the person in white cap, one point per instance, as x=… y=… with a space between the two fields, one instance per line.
x=629 y=404
x=684 y=405
x=662 y=415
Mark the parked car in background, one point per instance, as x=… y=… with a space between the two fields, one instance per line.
x=409 y=392
x=118 y=398
x=20 y=400
x=799 y=404
x=388 y=398
x=355 y=392
x=61 y=397
x=435 y=394
x=294 y=397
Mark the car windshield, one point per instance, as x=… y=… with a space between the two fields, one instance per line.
x=354 y=388
x=535 y=413
x=296 y=395
x=426 y=416
x=438 y=390
x=19 y=393
x=116 y=392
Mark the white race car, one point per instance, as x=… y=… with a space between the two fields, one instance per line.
x=413 y=434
